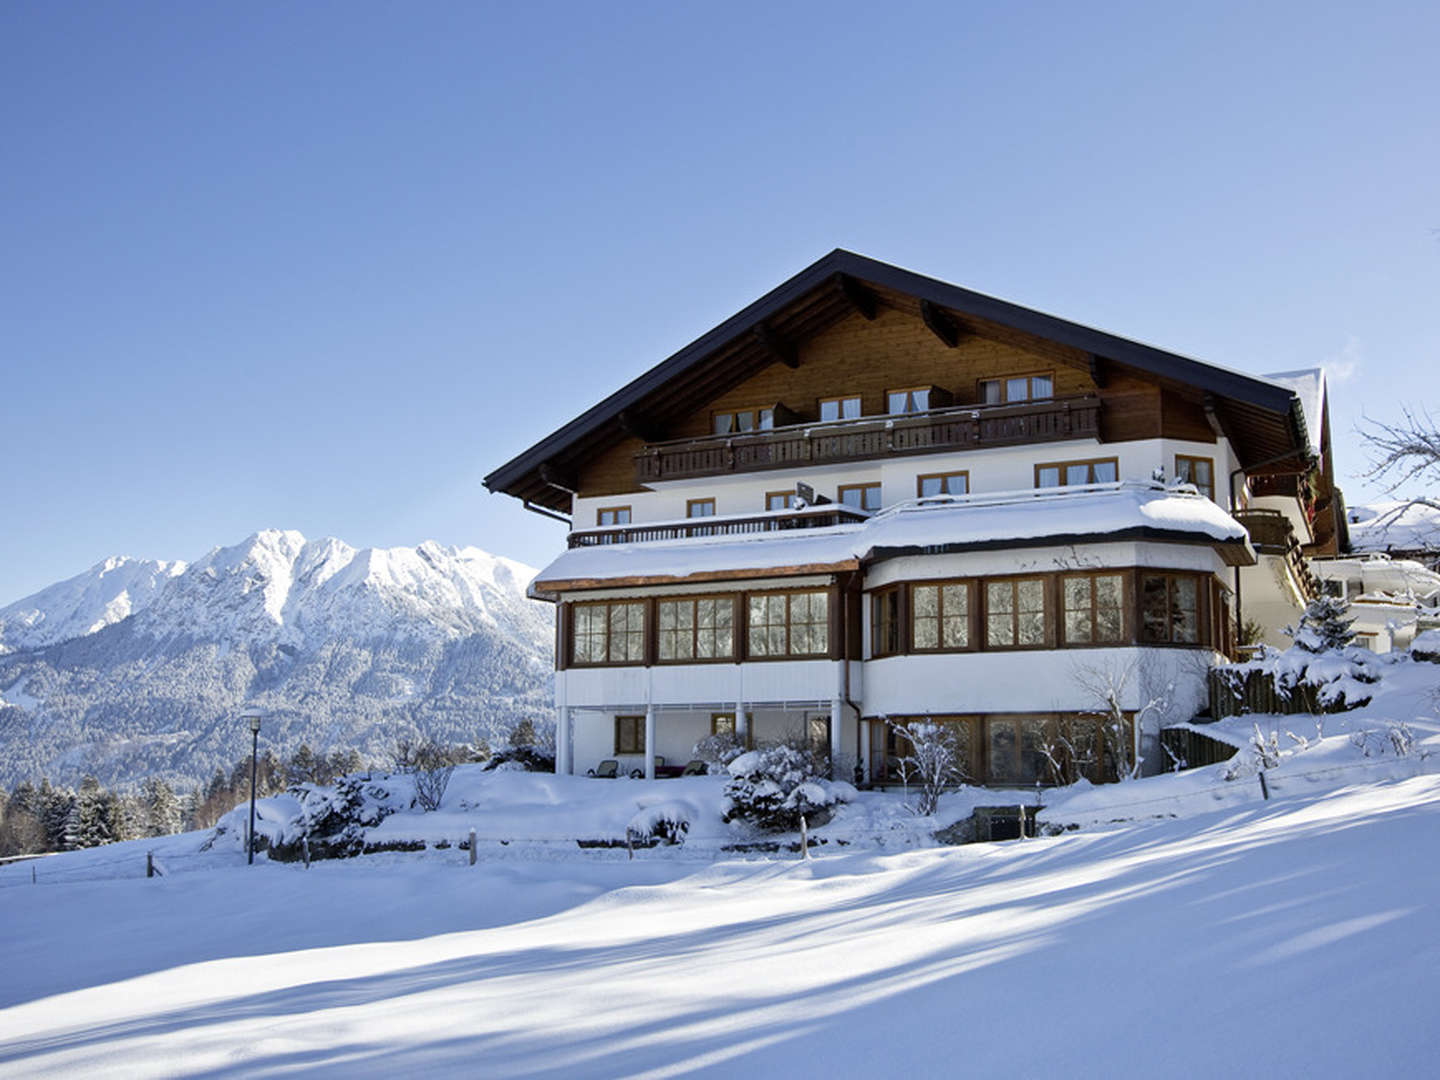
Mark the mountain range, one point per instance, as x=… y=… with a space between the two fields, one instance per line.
x=139 y=667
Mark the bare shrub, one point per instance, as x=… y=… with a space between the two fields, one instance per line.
x=433 y=766
x=933 y=763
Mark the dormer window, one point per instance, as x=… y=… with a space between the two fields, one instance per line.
x=840 y=408
x=1015 y=388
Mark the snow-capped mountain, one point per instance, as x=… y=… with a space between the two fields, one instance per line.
x=138 y=666
x=106 y=593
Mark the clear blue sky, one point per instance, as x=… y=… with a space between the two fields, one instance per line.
x=322 y=266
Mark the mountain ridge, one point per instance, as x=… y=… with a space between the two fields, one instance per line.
x=139 y=667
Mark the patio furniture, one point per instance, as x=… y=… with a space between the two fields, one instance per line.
x=608 y=769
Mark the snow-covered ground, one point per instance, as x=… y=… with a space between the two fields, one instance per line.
x=1187 y=927
x=1290 y=938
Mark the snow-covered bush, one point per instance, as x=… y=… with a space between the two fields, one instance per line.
x=667 y=822
x=774 y=787
x=1330 y=681
x=932 y=764
x=522 y=759
x=332 y=821
x=718 y=750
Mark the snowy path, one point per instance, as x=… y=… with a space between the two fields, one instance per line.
x=1294 y=939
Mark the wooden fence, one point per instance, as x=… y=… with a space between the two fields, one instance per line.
x=1233 y=693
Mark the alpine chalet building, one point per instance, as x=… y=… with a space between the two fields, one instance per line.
x=871 y=497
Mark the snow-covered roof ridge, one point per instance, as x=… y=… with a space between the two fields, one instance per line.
x=948 y=522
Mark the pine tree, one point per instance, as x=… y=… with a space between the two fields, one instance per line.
x=303 y=766
x=57 y=804
x=1323 y=626
x=162 y=808
x=90 y=822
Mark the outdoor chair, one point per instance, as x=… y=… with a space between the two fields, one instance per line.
x=638 y=773
x=695 y=767
x=608 y=769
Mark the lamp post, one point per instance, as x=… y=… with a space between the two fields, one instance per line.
x=253 y=715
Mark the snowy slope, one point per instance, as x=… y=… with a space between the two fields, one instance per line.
x=1291 y=938
x=106 y=593
x=138 y=668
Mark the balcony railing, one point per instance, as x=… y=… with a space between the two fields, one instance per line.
x=969 y=427
x=812 y=517
x=1272 y=534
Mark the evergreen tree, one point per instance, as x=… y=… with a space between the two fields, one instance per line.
x=303 y=766
x=57 y=804
x=90 y=822
x=1323 y=626
x=162 y=808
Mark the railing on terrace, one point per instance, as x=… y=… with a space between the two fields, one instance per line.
x=959 y=428
x=1272 y=534
x=811 y=517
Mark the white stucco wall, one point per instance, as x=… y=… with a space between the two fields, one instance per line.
x=997 y=469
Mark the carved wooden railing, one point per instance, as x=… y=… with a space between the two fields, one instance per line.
x=814 y=517
x=958 y=428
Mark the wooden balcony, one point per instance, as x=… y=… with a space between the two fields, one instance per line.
x=971 y=427
x=1272 y=534
x=812 y=517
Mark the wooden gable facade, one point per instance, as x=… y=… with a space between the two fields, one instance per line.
x=850 y=326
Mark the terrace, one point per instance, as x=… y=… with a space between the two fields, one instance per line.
x=966 y=427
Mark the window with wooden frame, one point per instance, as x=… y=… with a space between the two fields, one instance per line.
x=1199 y=471
x=1170 y=609
x=940 y=616
x=1073 y=473
x=860 y=496
x=629 y=735
x=1029 y=387
x=840 y=408
x=945 y=483
x=1014 y=748
x=693 y=628
x=741 y=420
x=911 y=399
x=608 y=633
x=1094 y=608
x=885 y=622
x=779 y=500
x=788 y=624
x=1015 y=613
x=612 y=515
x=722 y=723
x=698 y=508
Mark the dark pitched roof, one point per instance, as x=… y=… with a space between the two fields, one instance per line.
x=811 y=300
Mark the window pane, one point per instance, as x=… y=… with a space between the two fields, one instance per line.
x=767 y=419
x=872 y=497
x=926 y=599
x=956 y=605
x=723 y=725
x=1041 y=386
x=991 y=392
x=829 y=410
x=1048 y=477
x=851 y=408
x=745 y=421
x=919 y=400
x=1109 y=607
x=1004 y=751
x=700 y=508
x=1155 y=608
x=853 y=496
x=1077 y=626
x=1186 y=610
x=1105 y=472
x=1077 y=474
x=895 y=402
x=723 y=423
x=958 y=484
x=1017 y=389
x=931 y=485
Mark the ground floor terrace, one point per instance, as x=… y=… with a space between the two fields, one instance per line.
x=1002 y=749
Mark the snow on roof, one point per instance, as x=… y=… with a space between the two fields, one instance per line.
x=1397 y=524
x=946 y=522
x=1309 y=386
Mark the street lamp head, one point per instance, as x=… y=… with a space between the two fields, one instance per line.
x=253 y=716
